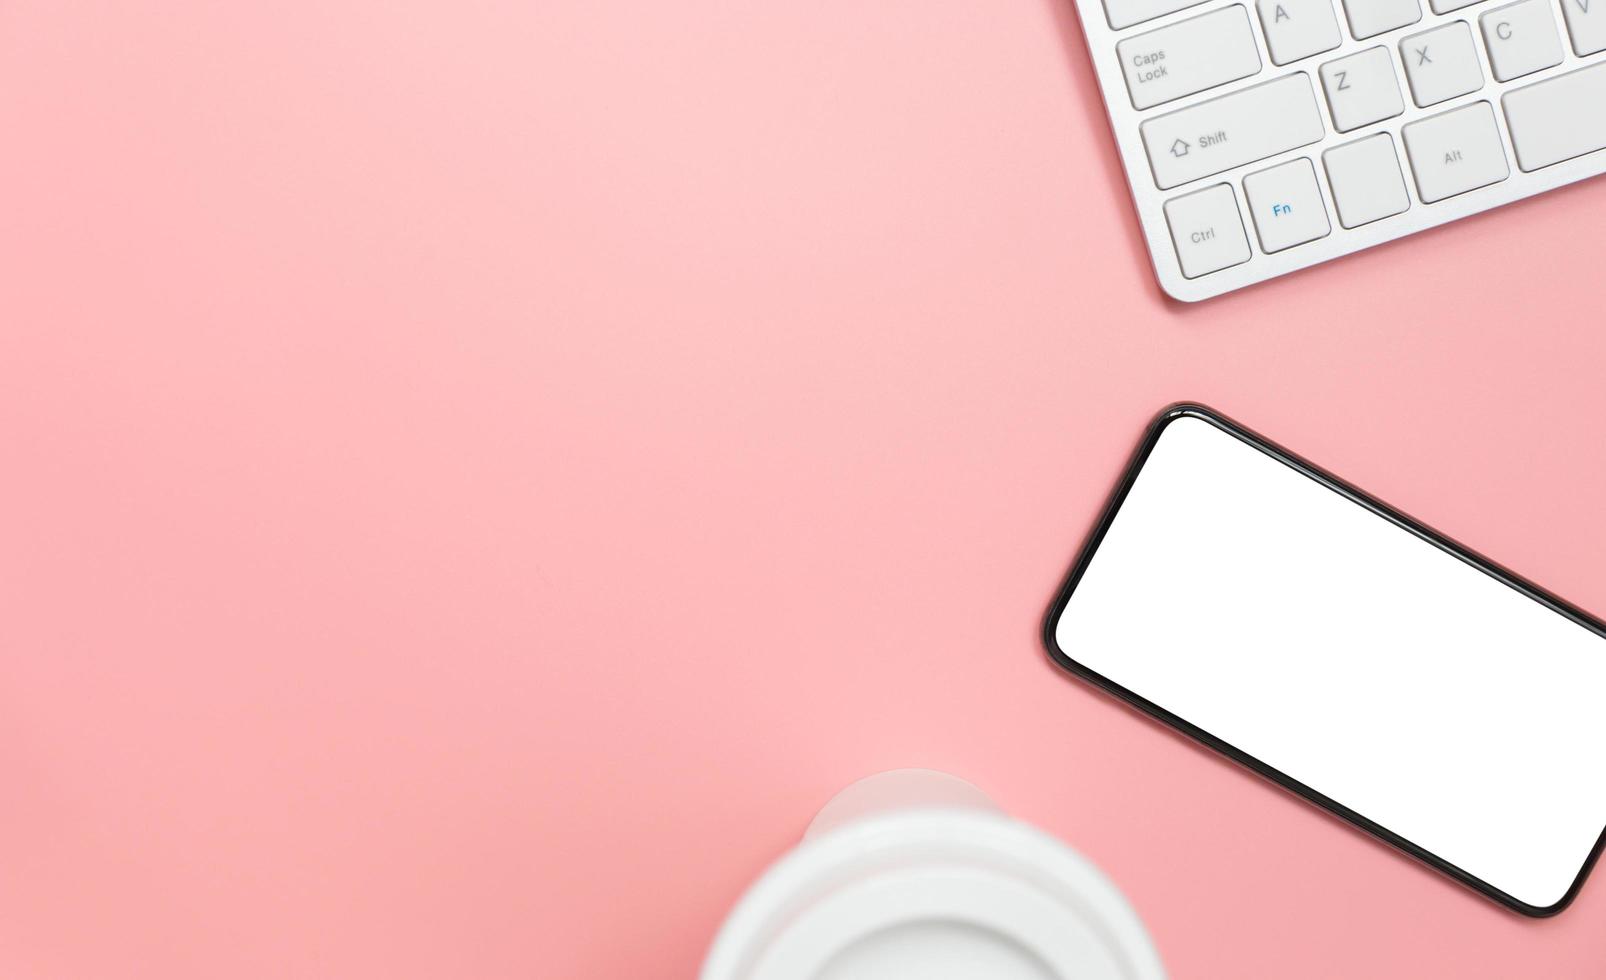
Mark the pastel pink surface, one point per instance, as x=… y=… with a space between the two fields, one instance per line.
x=479 y=476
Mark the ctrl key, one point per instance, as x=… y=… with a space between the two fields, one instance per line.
x=1207 y=230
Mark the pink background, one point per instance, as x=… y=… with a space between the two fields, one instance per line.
x=477 y=476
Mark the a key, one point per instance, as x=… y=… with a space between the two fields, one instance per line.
x=1559 y=118
x=1445 y=6
x=1189 y=56
x=1207 y=230
x=1521 y=38
x=1297 y=29
x=1368 y=18
x=1230 y=130
x=1441 y=64
x=1366 y=181
x=1455 y=152
x=1586 y=23
x=1361 y=89
x=1286 y=205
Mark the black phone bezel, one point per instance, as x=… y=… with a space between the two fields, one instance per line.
x=1084 y=556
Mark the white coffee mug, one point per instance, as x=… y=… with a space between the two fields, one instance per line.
x=915 y=873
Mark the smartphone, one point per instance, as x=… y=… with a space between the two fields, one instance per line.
x=1350 y=653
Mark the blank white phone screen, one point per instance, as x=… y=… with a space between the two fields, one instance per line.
x=1292 y=623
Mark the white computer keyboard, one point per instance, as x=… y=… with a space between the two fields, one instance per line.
x=1263 y=136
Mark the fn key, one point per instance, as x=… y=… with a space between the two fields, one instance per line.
x=1207 y=230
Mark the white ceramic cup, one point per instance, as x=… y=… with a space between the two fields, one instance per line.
x=915 y=873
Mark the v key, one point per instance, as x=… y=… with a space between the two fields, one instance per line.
x=1586 y=22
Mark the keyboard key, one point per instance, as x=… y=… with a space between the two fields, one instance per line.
x=1297 y=29
x=1286 y=205
x=1207 y=230
x=1521 y=38
x=1366 y=180
x=1125 y=13
x=1441 y=64
x=1559 y=118
x=1231 y=130
x=1189 y=56
x=1368 y=18
x=1586 y=22
x=1362 y=89
x=1445 y=6
x=1455 y=152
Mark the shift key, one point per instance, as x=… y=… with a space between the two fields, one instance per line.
x=1232 y=130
